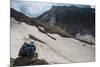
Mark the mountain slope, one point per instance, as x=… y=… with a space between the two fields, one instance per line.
x=71 y=18
x=52 y=47
x=50 y=28
x=61 y=50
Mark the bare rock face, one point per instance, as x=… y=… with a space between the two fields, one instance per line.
x=71 y=18
x=38 y=62
x=24 y=61
x=11 y=62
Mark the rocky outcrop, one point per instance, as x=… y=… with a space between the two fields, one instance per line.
x=72 y=19
x=27 y=61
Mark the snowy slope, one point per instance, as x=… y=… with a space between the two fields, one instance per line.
x=61 y=50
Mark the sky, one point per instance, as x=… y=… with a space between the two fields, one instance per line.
x=34 y=9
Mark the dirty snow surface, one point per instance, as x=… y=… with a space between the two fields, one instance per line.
x=61 y=50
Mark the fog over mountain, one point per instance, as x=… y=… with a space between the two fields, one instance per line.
x=35 y=9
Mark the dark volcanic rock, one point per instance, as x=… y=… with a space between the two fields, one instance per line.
x=24 y=61
x=72 y=19
x=21 y=17
x=38 y=62
x=27 y=60
x=11 y=62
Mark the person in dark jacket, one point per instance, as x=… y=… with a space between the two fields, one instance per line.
x=27 y=49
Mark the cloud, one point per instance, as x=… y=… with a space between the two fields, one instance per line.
x=32 y=9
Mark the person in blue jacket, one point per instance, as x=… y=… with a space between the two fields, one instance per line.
x=27 y=49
